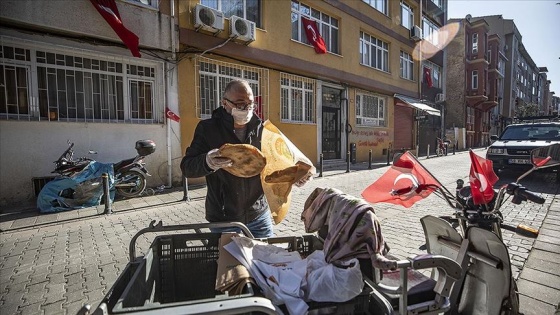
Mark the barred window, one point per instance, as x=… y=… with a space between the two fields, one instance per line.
x=71 y=87
x=213 y=76
x=297 y=99
x=328 y=26
x=407 y=66
x=374 y=52
x=370 y=110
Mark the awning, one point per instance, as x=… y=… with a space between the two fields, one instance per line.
x=416 y=103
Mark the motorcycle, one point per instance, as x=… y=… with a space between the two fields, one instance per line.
x=442 y=146
x=486 y=285
x=80 y=183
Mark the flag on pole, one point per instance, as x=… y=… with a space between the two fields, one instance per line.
x=313 y=35
x=428 y=77
x=171 y=115
x=482 y=179
x=405 y=183
x=108 y=10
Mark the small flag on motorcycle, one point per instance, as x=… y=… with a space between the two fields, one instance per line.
x=482 y=179
x=406 y=182
x=171 y=115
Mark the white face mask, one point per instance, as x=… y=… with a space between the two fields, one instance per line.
x=241 y=117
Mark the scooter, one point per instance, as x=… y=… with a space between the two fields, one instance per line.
x=129 y=175
x=442 y=146
x=486 y=285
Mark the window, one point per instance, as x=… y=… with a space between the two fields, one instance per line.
x=374 y=52
x=370 y=109
x=435 y=72
x=380 y=5
x=75 y=87
x=430 y=31
x=297 y=98
x=151 y=3
x=439 y=3
x=213 y=76
x=407 y=16
x=475 y=43
x=475 y=80
x=247 y=9
x=407 y=66
x=328 y=26
x=489 y=56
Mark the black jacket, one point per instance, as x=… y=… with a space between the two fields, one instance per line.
x=228 y=198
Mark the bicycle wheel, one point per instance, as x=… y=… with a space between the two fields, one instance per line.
x=131 y=183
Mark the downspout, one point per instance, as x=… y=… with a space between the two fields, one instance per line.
x=168 y=82
x=348 y=128
x=421 y=73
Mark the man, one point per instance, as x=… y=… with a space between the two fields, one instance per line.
x=230 y=198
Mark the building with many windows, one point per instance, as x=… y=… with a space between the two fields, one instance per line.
x=363 y=93
x=67 y=76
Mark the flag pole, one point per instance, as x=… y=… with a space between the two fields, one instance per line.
x=425 y=169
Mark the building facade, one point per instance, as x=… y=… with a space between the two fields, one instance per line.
x=67 y=76
x=361 y=95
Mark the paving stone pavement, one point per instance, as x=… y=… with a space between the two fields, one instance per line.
x=55 y=263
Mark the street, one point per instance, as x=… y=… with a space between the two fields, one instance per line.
x=56 y=267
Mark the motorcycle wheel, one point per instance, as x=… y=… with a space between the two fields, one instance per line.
x=438 y=152
x=130 y=177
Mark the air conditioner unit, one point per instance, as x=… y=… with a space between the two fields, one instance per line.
x=208 y=19
x=416 y=33
x=440 y=97
x=241 y=29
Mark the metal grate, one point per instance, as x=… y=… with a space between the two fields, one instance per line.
x=40 y=182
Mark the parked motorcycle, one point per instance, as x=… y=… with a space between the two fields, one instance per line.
x=129 y=175
x=486 y=285
x=80 y=183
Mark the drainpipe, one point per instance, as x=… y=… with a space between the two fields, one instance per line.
x=348 y=128
x=169 y=71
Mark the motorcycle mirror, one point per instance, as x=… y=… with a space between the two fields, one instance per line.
x=546 y=156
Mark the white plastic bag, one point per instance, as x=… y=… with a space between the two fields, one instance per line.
x=328 y=283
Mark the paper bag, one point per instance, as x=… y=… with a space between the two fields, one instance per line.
x=231 y=276
x=280 y=154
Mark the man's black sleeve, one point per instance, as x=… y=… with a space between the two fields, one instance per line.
x=194 y=161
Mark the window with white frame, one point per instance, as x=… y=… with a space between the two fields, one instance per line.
x=407 y=15
x=247 y=9
x=475 y=43
x=297 y=99
x=374 y=52
x=407 y=66
x=213 y=76
x=151 y=3
x=430 y=31
x=379 y=5
x=328 y=26
x=370 y=109
x=76 y=87
x=474 y=82
x=435 y=73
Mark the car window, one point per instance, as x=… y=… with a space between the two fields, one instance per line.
x=532 y=132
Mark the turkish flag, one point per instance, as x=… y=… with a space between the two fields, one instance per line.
x=313 y=35
x=482 y=179
x=171 y=115
x=406 y=182
x=108 y=9
x=428 y=77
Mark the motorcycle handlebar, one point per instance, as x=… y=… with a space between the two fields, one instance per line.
x=521 y=193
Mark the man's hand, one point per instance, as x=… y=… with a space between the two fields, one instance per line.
x=215 y=161
x=304 y=179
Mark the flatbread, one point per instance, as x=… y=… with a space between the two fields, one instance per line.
x=248 y=160
x=289 y=175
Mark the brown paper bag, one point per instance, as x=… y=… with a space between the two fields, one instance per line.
x=281 y=154
x=231 y=276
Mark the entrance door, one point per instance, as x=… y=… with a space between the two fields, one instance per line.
x=331 y=124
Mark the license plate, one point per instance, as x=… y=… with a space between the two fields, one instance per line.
x=519 y=161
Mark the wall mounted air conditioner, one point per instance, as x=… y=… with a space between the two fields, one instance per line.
x=440 y=97
x=208 y=19
x=416 y=33
x=241 y=29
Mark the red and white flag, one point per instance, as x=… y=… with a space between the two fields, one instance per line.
x=313 y=35
x=482 y=179
x=428 y=77
x=171 y=115
x=108 y=9
x=406 y=182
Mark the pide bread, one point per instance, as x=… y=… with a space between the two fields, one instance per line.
x=247 y=160
x=288 y=175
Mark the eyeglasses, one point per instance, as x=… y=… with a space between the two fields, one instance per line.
x=241 y=106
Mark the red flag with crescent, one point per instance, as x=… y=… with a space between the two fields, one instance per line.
x=108 y=10
x=428 y=77
x=313 y=35
x=482 y=179
x=171 y=115
x=404 y=183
